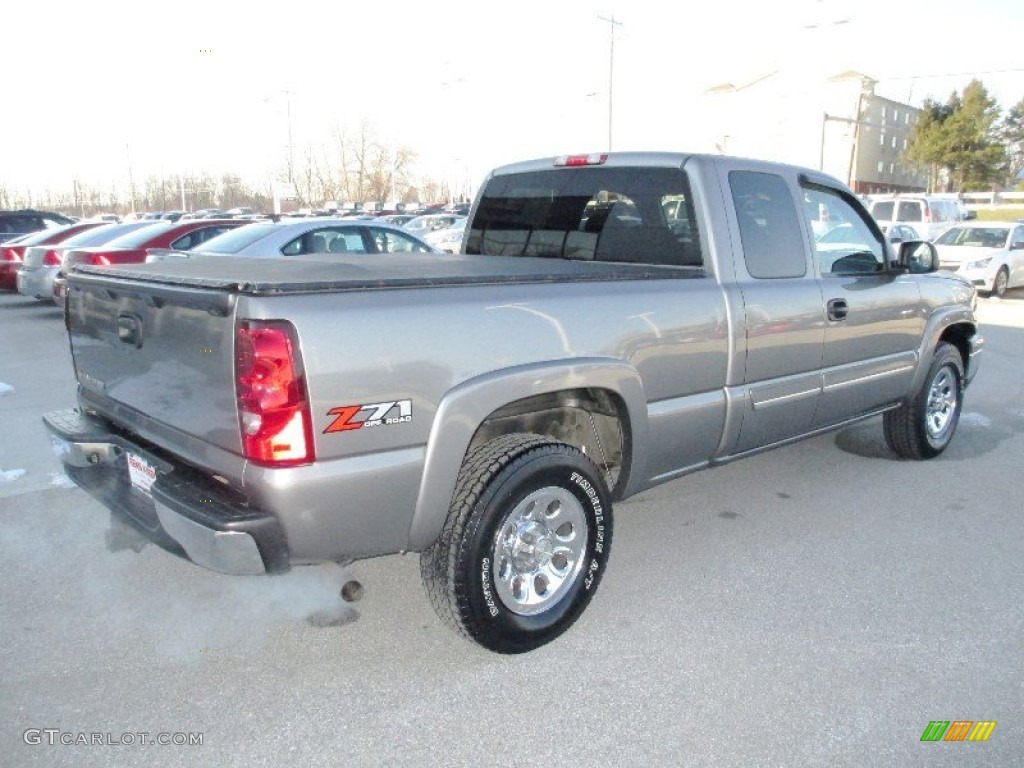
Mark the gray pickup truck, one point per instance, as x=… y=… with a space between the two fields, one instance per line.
x=613 y=322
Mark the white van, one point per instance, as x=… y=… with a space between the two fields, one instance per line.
x=926 y=215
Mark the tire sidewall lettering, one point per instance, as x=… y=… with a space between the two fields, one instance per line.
x=573 y=476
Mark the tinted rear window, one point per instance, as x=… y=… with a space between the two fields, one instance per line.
x=20 y=223
x=38 y=237
x=237 y=239
x=883 y=211
x=632 y=215
x=140 y=234
x=94 y=236
x=910 y=210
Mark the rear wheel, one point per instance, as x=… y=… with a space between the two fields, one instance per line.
x=524 y=546
x=923 y=426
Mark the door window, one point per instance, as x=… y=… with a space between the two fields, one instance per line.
x=851 y=247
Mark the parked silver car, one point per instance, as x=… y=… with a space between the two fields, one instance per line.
x=448 y=239
x=431 y=221
x=297 y=237
x=43 y=262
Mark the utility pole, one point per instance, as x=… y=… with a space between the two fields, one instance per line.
x=394 y=184
x=612 y=24
x=291 y=159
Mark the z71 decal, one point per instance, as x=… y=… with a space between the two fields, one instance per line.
x=370 y=415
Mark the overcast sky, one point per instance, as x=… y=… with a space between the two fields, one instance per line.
x=190 y=86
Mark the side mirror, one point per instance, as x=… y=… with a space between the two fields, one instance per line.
x=919 y=257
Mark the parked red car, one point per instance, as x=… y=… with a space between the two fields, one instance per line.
x=131 y=248
x=12 y=254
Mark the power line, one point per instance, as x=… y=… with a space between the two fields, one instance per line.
x=953 y=74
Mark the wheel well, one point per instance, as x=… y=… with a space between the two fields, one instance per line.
x=594 y=420
x=959 y=336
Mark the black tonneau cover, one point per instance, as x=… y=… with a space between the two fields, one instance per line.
x=314 y=274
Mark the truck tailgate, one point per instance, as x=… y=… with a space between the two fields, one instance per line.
x=165 y=352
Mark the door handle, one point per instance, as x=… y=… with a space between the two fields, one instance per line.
x=837 y=309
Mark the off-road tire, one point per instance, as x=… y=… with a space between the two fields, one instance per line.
x=496 y=483
x=923 y=426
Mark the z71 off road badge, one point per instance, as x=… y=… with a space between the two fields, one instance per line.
x=348 y=417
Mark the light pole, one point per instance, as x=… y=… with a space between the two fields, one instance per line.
x=612 y=24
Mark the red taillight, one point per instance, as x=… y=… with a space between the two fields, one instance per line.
x=100 y=259
x=51 y=259
x=273 y=407
x=12 y=254
x=572 y=160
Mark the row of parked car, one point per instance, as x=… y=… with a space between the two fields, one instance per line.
x=988 y=254
x=34 y=264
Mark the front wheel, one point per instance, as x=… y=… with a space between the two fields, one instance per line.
x=923 y=426
x=1001 y=282
x=524 y=546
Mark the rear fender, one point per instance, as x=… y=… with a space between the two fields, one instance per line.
x=463 y=409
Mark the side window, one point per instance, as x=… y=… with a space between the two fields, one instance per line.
x=909 y=210
x=849 y=247
x=313 y=241
x=344 y=241
x=389 y=241
x=773 y=245
x=1017 y=240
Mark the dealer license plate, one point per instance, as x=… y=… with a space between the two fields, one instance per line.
x=140 y=472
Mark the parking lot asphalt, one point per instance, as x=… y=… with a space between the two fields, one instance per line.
x=819 y=604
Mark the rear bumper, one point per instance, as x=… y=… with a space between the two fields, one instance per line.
x=60 y=290
x=9 y=275
x=37 y=281
x=183 y=510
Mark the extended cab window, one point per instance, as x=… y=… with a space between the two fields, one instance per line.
x=844 y=243
x=636 y=215
x=769 y=228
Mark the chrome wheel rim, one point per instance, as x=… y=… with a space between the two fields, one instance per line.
x=538 y=550
x=941 y=403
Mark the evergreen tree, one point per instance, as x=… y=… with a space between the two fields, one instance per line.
x=959 y=138
x=1011 y=133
